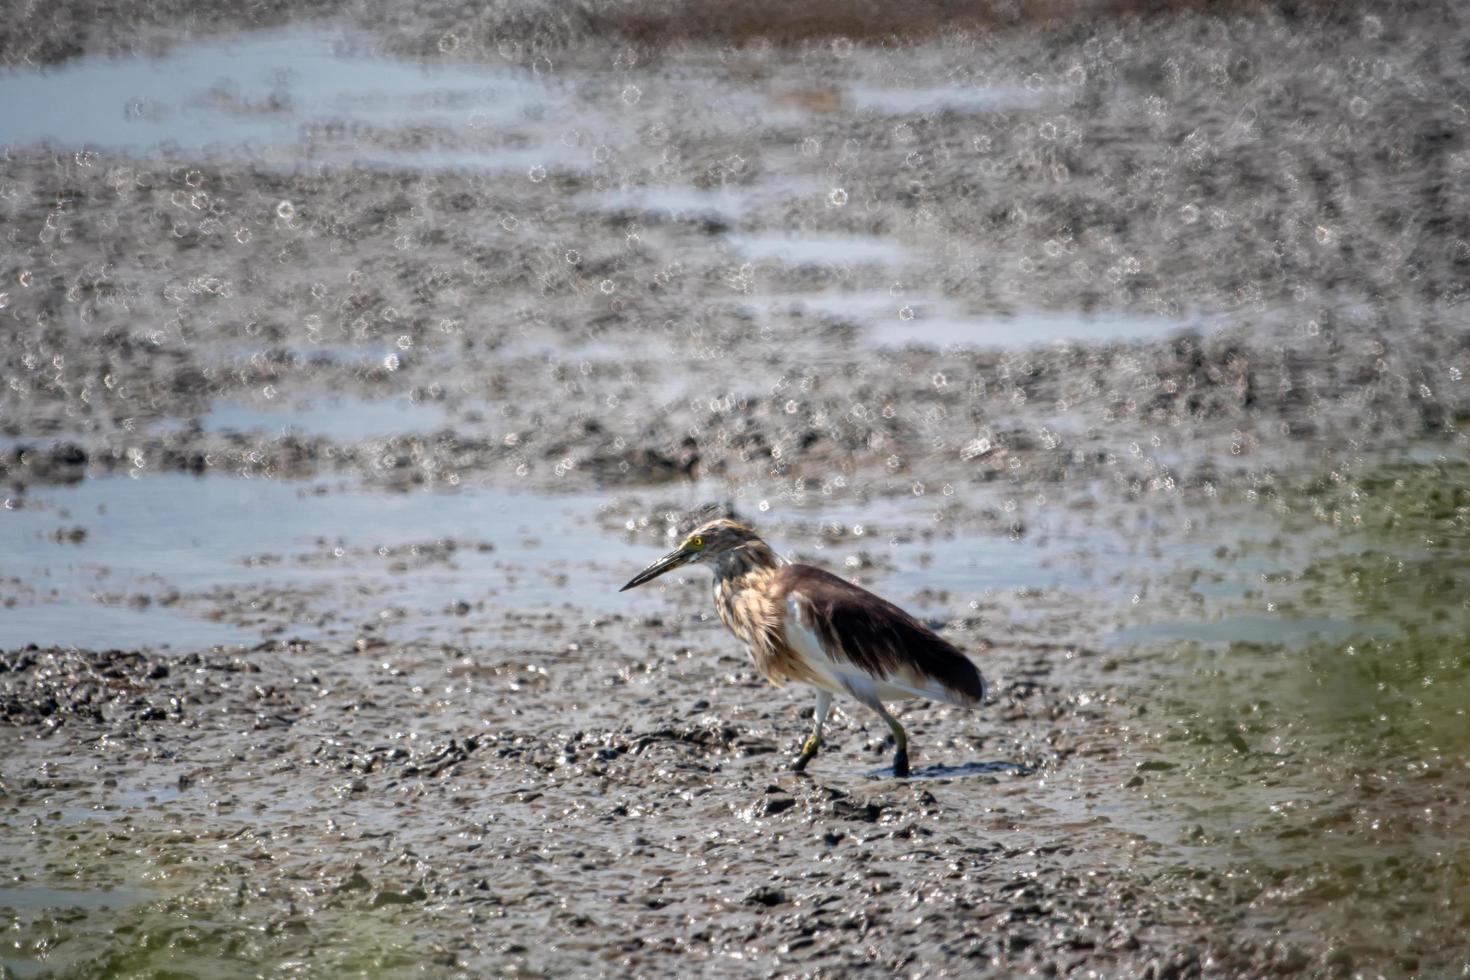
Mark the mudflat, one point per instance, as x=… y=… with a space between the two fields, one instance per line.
x=353 y=359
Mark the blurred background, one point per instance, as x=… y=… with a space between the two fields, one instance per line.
x=354 y=354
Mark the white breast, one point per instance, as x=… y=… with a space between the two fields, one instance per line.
x=806 y=644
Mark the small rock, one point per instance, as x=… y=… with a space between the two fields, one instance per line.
x=356 y=882
x=766 y=896
x=1337 y=962
x=777 y=804
x=848 y=810
x=385 y=897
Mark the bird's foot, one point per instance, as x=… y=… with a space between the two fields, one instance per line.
x=808 y=752
x=901 y=764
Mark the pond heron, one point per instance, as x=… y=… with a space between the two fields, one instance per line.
x=807 y=626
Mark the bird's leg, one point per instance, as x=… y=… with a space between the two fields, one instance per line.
x=814 y=740
x=901 y=739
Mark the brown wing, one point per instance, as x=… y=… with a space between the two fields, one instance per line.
x=877 y=637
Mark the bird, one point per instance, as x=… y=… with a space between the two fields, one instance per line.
x=804 y=625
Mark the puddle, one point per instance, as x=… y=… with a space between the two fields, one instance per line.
x=120 y=804
x=25 y=898
x=831 y=250
x=94 y=625
x=342 y=419
x=259 y=90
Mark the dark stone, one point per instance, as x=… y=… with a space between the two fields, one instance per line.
x=777 y=804
x=766 y=896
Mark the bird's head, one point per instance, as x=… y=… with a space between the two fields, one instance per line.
x=708 y=542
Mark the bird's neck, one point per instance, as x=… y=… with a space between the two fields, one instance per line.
x=752 y=557
x=744 y=601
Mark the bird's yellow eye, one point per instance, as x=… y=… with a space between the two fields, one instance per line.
x=696 y=542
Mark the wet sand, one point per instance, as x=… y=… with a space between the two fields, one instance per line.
x=342 y=390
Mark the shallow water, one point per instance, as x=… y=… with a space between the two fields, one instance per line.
x=36 y=897
x=341 y=418
x=98 y=625
x=258 y=90
x=183 y=535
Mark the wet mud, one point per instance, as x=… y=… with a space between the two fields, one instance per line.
x=351 y=365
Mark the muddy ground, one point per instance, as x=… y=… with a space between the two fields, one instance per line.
x=340 y=391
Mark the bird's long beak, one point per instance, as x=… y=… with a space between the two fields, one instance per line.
x=666 y=563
